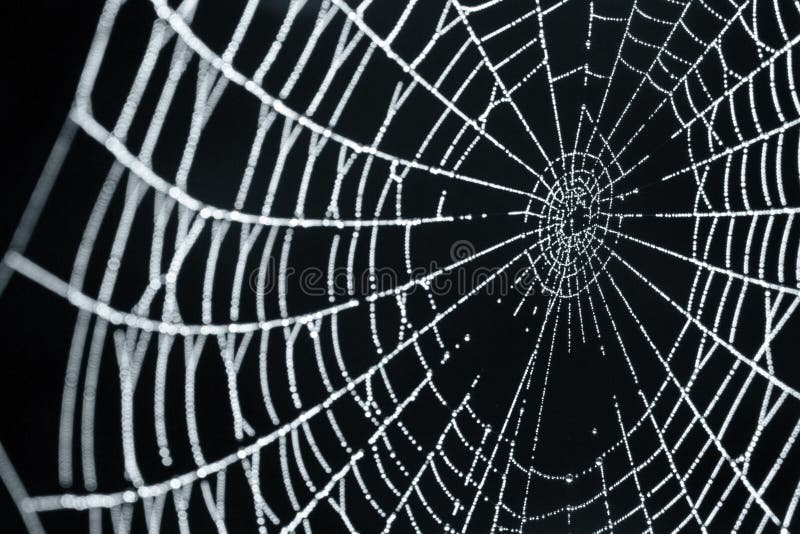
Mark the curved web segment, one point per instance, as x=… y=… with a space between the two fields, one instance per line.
x=634 y=167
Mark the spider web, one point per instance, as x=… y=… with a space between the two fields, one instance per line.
x=630 y=170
